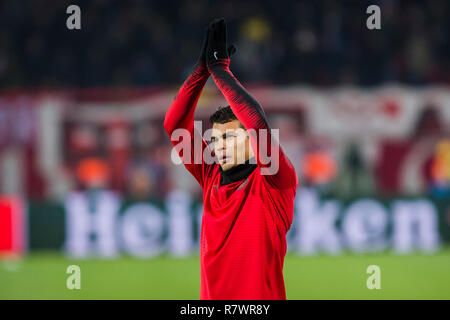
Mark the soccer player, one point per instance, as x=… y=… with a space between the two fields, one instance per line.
x=247 y=207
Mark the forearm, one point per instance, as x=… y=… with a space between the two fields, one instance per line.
x=181 y=112
x=244 y=106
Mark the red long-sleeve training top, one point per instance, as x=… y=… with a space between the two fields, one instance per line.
x=244 y=223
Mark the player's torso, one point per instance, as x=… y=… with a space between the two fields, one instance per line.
x=243 y=214
x=243 y=239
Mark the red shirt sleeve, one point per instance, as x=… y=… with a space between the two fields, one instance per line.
x=180 y=115
x=251 y=115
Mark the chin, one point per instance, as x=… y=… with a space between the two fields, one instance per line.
x=227 y=166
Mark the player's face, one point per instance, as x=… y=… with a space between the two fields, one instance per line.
x=231 y=144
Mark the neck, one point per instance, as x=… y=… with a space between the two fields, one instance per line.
x=238 y=172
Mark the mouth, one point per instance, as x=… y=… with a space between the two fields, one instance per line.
x=223 y=159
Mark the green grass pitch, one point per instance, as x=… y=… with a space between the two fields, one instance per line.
x=43 y=276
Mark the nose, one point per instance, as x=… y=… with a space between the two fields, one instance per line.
x=220 y=145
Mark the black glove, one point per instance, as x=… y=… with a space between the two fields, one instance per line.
x=202 y=58
x=216 y=46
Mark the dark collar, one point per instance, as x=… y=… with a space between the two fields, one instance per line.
x=237 y=173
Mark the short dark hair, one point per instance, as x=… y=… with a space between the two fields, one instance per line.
x=223 y=115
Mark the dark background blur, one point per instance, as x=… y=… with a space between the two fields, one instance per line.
x=140 y=43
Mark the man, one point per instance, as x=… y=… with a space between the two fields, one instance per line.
x=247 y=206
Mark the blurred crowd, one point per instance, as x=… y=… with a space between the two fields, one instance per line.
x=140 y=43
x=49 y=155
x=142 y=167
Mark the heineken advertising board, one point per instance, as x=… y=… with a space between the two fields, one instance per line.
x=102 y=224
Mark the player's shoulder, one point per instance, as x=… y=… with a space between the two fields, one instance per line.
x=275 y=183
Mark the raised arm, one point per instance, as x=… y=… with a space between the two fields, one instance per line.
x=249 y=113
x=181 y=116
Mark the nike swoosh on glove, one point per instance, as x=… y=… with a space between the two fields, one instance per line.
x=216 y=47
